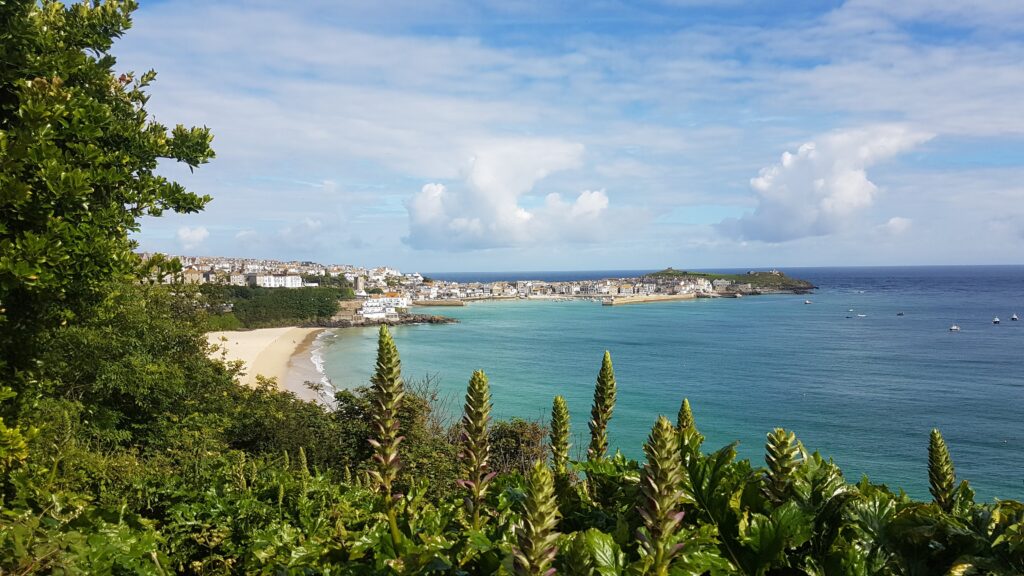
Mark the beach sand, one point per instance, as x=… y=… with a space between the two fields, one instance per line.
x=281 y=353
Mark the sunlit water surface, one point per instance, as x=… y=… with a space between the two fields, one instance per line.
x=864 y=390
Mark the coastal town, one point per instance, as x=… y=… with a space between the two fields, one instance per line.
x=385 y=293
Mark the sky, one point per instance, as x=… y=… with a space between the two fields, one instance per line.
x=559 y=135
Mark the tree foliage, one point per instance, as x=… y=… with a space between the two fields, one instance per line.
x=78 y=160
x=254 y=307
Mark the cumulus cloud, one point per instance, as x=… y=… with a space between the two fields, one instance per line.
x=486 y=210
x=897 y=225
x=190 y=238
x=819 y=188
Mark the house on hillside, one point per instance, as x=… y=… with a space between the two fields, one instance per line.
x=193 y=276
x=386 y=308
x=274 y=280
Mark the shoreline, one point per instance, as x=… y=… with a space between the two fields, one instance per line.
x=642 y=299
x=281 y=353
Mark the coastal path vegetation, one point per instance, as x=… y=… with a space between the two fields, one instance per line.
x=126 y=449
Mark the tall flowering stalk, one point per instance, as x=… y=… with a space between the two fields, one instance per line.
x=660 y=496
x=388 y=392
x=601 y=412
x=690 y=439
x=782 y=455
x=941 y=474
x=536 y=536
x=559 y=436
x=475 y=448
x=684 y=420
x=559 y=441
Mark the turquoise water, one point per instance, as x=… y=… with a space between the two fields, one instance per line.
x=864 y=390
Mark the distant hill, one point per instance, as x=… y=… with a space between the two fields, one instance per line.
x=763 y=280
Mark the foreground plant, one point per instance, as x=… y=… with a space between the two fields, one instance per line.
x=601 y=412
x=660 y=497
x=690 y=439
x=536 y=534
x=941 y=474
x=782 y=452
x=475 y=447
x=559 y=436
x=388 y=391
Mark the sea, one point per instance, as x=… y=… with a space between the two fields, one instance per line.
x=861 y=374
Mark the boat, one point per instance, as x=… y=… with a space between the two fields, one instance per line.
x=807 y=301
x=995 y=320
x=862 y=315
x=954 y=328
x=899 y=313
x=1014 y=317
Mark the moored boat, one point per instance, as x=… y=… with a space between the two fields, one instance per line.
x=954 y=328
x=995 y=320
x=1014 y=317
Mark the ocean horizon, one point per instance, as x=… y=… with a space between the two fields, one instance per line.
x=852 y=376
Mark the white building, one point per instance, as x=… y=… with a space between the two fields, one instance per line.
x=386 y=308
x=274 y=280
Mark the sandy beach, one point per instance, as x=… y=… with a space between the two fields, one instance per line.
x=281 y=353
x=641 y=299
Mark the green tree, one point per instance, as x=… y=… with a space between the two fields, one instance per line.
x=78 y=160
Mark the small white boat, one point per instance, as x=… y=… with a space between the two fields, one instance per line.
x=862 y=315
x=807 y=301
x=954 y=328
x=1014 y=317
x=995 y=320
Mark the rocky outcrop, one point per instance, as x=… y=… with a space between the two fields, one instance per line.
x=403 y=319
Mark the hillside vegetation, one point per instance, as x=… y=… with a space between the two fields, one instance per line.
x=232 y=307
x=126 y=449
x=764 y=280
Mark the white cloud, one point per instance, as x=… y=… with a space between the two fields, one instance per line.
x=190 y=238
x=677 y=115
x=820 y=188
x=486 y=210
x=897 y=225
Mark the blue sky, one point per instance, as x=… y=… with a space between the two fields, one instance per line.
x=505 y=135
